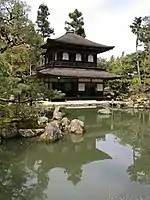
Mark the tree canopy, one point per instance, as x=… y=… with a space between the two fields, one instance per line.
x=126 y=65
x=42 y=21
x=76 y=23
x=14 y=23
x=20 y=54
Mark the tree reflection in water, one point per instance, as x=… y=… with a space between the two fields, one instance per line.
x=134 y=130
x=26 y=165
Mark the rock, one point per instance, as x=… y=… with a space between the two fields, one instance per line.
x=130 y=104
x=9 y=131
x=104 y=111
x=118 y=106
x=42 y=121
x=28 y=133
x=141 y=106
x=76 y=127
x=57 y=114
x=136 y=105
x=38 y=131
x=65 y=124
x=52 y=132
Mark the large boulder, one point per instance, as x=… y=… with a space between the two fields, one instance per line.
x=104 y=111
x=42 y=121
x=76 y=127
x=28 y=133
x=9 y=131
x=52 y=132
x=65 y=122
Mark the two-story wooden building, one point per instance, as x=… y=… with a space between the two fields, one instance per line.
x=70 y=65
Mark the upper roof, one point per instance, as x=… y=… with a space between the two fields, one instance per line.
x=71 y=38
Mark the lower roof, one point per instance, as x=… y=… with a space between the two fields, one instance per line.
x=78 y=73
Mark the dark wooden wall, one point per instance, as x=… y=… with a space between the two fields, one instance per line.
x=50 y=56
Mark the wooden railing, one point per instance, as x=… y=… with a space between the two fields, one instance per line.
x=70 y=64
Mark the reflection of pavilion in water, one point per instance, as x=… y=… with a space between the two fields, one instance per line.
x=39 y=159
x=72 y=156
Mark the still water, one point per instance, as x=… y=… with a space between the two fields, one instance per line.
x=112 y=161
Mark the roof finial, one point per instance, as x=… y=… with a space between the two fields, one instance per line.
x=70 y=31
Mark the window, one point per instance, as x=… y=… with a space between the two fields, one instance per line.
x=90 y=58
x=65 y=56
x=56 y=56
x=78 y=57
x=81 y=87
x=99 y=87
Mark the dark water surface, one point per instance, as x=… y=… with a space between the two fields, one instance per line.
x=112 y=161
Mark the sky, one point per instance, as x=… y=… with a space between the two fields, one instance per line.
x=106 y=21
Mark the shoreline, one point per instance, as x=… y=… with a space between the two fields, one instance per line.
x=81 y=104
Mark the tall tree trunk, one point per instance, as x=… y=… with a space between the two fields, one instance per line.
x=137 y=59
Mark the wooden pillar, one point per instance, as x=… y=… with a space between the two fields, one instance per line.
x=84 y=59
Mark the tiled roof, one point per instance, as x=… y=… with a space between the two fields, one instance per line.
x=78 y=73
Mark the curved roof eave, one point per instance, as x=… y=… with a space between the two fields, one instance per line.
x=72 y=39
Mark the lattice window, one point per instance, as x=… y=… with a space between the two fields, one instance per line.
x=81 y=87
x=90 y=58
x=55 y=55
x=65 y=56
x=78 y=57
x=99 y=87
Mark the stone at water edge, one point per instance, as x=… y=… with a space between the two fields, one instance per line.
x=52 y=132
x=76 y=127
x=130 y=104
x=42 y=120
x=28 y=133
x=9 y=131
x=104 y=111
x=65 y=122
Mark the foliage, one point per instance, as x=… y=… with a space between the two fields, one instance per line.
x=13 y=23
x=126 y=65
x=76 y=24
x=136 y=27
x=19 y=56
x=42 y=21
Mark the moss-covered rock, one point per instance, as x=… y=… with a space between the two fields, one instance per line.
x=52 y=132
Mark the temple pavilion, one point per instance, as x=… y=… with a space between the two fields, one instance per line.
x=70 y=65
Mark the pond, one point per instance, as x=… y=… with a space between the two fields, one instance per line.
x=112 y=161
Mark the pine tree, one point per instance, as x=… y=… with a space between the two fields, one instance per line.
x=42 y=21
x=136 y=29
x=76 y=24
x=13 y=23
